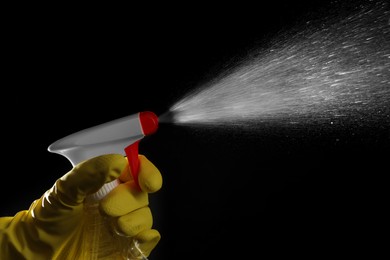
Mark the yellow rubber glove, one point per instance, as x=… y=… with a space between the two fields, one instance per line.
x=53 y=226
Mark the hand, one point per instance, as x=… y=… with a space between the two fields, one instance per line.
x=53 y=227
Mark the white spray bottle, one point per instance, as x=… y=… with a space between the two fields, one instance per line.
x=120 y=136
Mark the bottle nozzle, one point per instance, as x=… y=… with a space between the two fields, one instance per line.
x=149 y=122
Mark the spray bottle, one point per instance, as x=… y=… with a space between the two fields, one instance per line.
x=118 y=136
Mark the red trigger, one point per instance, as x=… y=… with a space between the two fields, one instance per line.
x=132 y=157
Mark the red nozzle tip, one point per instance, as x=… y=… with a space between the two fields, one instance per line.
x=149 y=122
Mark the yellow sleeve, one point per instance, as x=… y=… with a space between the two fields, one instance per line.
x=25 y=236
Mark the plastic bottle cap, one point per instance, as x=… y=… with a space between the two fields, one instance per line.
x=100 y=194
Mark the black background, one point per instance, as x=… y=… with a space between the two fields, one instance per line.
x=236 y=193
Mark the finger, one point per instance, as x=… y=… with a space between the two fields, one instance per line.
x=135 y=222
x=89 y=176
x=148 y=240
x=149 y=177
x=124 y=199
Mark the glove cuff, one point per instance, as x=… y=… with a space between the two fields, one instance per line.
x=104 y=190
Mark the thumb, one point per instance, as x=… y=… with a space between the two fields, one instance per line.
x=89 y=176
